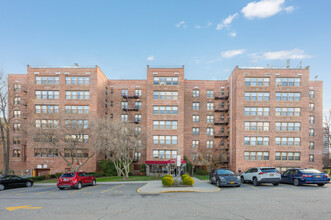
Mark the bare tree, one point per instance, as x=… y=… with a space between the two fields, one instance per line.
x=200 y=157
x=326 y=139
x=121 y=140
x=69 y=137
x=219 y=157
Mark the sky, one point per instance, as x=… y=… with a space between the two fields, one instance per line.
x=208 y=37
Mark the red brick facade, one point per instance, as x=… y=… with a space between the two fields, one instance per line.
x=167 y=111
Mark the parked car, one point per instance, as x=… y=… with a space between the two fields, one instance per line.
x=12 y=181
x=224 y=177
x=259 y=175
x=75 y=180
x=305 y=176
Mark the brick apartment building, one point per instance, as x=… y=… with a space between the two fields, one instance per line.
x=258 y=117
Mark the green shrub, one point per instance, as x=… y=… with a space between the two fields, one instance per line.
x=203 y=172
x=169 y=175
x=37 y=178
x=184 y=176
x=57 y=175
x=197 y=171
x=107 y=166
x=97 y=175
x=167 y=181
x=143 y=168
x=188 y=181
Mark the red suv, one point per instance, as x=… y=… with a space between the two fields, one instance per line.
x=75 y=180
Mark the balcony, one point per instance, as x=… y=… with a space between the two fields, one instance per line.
x=221 y=108
x=221 y=121
x=133 y=108
x=222 y=134
x=221 y=95
x=137 y=121
x=130 y=96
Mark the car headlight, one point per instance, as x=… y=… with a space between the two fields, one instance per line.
x=238 y=177
x=222 y=178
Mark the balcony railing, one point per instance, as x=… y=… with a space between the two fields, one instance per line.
x=221 y=134
x=130 y=96
x=221 y=121
x=133 y=108
x=221 y=95
x=221 y=108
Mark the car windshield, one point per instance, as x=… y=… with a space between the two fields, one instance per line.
x=310 y=171
x=225 y=172
x=269 y=170
x=68 y=175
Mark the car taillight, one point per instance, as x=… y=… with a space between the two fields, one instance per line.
x=326 y=175
x=262 y=173
x=278 y=172
x=307 y=176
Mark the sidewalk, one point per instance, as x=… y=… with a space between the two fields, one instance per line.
x=156 y=187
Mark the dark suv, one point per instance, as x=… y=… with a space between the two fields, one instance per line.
x=75 y=180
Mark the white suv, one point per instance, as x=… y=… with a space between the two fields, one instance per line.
x=259 y=175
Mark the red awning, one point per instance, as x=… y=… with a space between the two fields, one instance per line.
x=163 y=161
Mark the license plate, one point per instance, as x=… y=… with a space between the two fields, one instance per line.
x=231 y=182
x=65 y=179
x=318 y=176
x=271 y=175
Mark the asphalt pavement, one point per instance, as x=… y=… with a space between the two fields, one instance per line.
x=122 y=201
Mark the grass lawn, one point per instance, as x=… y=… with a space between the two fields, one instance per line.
x=111 y=179
x=202 y=177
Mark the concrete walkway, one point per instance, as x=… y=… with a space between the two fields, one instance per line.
x=156 y=187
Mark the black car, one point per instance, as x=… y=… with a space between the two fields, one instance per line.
x=224 y=177
x=11 y=181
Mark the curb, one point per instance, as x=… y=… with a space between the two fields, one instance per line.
x=176 y=191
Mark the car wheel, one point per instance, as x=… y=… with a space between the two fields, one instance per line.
x=242 y=179
x=275 y=184
x=255 y=182
x=218 y=183
x=321 y=184
x=79 y=185
x=210 y=180
x=94 y=182
x=237 y=185
x=61 y=188
x=28 y=184
x=296 y=182
x=2 y=187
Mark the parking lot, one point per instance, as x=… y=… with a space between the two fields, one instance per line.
x=121 y=201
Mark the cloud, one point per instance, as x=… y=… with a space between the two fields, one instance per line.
x=263 y=9
x=289 y=9
x=232 y=53
x=232 y=34
x=295 y=54
x=181 y=23
x=150 y=58
x=206 y=26
x=226 y=22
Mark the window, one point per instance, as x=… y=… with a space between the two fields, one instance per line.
x=137 y=130
x=137 y=105
x=210 y=144
x=76 y=124
x=196 y=105
x=251 y=155
x=311 y=94
x=17 y=100
x=257 y=96
x=46 y=123
x=210 y=94
x=288 y=141
x=210 y=131
x=210 y=106
x=288 y=126
x=17 y=114
x=288 y=96
x=82 y=138
x=311 y=119
x=160 y=139
x=83 y=95
x=47 y=94
x=196 y=93
x=257 y=81
x=16 y=140
x=210 y=119
x=162 y=110
x=77 y=109
x=137 y=118
x=137 y=92
x=16 y=127
x=137 y=156
x=44 y=80
x=169 y=125
x=16 y=153
x=195 y=144
x=287 y=156
x=311 y=145
x=159 y=95
x=288 y=111
x=311 y=157
x=253 y=141
x=256 y=126
x=165 y=80
x=311 y=132
x=288 y=81
x=76 y=153
x=195 y=118
x=195 y=131
x=124 y=117
x=17 y=87
x=252 y=111
x=159 y=154
x=311 y=106
x=46 y=109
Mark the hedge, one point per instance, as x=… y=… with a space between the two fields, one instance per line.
x=37 y=178
x=167 y=181
x=188 y=181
